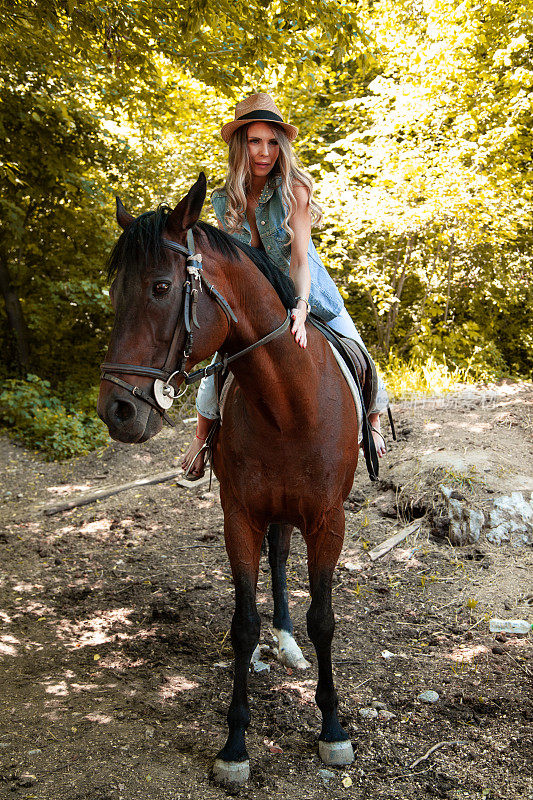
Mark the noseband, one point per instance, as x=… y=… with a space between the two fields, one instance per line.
x=164 y=393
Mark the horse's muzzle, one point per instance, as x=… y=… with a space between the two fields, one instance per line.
x=128 y=419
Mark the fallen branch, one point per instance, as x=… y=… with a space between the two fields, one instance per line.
x=100 y=494
x=432 y=750
x=380 y=549
x=194 y=546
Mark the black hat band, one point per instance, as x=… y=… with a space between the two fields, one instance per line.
x=261 y=115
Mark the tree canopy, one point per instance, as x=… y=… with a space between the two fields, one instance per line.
x=414 y=119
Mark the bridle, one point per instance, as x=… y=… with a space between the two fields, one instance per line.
x=164 y=393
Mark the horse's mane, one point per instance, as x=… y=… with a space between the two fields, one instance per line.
x=230 y=246
x=140 y=245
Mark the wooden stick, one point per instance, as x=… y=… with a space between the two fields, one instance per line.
x=358 y=685
x=99 y=494
x=380 y=549
x=432 y=750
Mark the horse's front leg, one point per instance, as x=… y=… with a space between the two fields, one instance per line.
x=279 y=540
x=323 y=550
x=243 y=543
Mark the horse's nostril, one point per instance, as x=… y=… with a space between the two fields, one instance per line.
x=123 y=411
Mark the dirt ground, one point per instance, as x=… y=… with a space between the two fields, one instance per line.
x=115 y=659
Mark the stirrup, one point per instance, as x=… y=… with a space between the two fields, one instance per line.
x=187 y=472
x=207 y=446
x=379 y=434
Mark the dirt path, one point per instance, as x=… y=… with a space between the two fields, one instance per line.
x=115 y=659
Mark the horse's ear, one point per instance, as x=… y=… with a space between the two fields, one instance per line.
x=124 y=218
x=189 y=209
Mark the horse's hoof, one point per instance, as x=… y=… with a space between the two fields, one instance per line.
x=231 y=774
x=289 y=654
x=336 y=753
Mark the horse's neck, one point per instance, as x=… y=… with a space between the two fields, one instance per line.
x=279 y=379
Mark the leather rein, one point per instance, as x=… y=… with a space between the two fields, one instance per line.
x=163 y=393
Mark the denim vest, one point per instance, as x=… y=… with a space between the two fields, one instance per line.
x=324 y=297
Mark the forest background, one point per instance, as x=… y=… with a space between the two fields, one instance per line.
x=415 y=122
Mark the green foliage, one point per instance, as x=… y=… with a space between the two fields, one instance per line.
x=426 y=176
x=414 y=120
x=30 y=411
x=213 y=40
x=466 y=347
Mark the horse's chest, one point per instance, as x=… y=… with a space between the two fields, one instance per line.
x=285 y=468
x=279 y=483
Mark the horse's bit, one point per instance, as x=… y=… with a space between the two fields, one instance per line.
x=164 y=393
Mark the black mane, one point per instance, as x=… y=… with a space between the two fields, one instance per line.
x=230 y=246
x=140 y=245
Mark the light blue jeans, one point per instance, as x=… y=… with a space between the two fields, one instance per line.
x=206 y=399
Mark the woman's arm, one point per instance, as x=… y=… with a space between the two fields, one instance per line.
x=300 y=223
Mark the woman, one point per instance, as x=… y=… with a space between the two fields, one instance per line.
x=267 y=202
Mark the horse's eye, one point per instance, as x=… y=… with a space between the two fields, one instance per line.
x=160 y=288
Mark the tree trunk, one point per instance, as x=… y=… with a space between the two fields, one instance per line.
x=15 y=317
x=379 y=326
x=449 y=278
x=397 y=284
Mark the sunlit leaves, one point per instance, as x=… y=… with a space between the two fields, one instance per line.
x=414 y=120
x=434 y=161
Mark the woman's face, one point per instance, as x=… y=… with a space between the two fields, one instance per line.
x=263 y=148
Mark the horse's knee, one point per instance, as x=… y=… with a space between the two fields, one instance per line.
x=245 y=629
x=320 y=618
x=320 y=625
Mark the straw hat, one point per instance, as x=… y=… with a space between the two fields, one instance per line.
x=257 y=108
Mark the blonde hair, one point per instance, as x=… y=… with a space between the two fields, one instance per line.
x=238 y=180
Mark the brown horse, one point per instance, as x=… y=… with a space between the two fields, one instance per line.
x=286 y=453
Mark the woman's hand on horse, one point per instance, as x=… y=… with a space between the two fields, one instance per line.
x=299 y=315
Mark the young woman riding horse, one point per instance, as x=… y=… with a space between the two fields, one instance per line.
x=267 y=202
x=287 y=450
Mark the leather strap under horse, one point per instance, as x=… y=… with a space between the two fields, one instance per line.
x=369 y=446
x=164 y=393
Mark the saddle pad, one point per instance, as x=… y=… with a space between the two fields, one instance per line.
x=353 y=389
x=345 y=371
